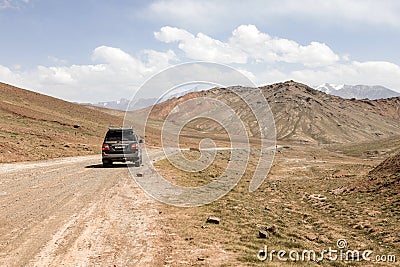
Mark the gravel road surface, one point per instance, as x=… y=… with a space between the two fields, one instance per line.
x=74 y=212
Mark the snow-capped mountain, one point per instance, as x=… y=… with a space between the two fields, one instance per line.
x=123 y=103
x=357 y=91
x=329 y=87
x=183 y=91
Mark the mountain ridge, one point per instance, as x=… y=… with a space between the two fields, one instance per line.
x=345 y=91
x=303 y=114
x=357 y=91
x=36 y=126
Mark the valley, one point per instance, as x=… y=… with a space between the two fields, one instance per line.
x=335 y=176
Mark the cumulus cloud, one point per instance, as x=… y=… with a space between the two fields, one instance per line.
x=171 y=34
x=6 y=74
x=247 y=43
x=267 y=56
x=262 y=47
x=369 y=73
x=201 y=46
x=156 y=60
x=113 y=74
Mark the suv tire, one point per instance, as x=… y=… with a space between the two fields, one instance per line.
x=107 y=163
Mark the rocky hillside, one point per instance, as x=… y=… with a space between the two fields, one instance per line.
x=305 y=115
x=389 y=166
x=36 y=126
x=302 y=113
x=383 y=182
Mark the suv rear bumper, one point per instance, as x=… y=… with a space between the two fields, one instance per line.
x=121 y=157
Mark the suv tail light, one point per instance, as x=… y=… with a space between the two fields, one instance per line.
x=105 y=147
x=135 y=146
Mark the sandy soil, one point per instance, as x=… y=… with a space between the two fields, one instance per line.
x=73 y=212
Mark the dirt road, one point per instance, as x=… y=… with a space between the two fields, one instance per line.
x=73 y=212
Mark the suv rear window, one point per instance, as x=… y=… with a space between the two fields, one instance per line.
x=118 y=135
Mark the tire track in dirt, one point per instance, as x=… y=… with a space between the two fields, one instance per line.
x=76 y=213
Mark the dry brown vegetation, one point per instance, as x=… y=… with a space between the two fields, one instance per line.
x=319 y=189
x=329 y=178
x=35 y=126
x=308 y=196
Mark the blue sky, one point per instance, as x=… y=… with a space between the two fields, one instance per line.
x=104 y=50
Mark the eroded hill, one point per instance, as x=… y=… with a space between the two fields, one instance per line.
x=305 y=115
x=36 y=126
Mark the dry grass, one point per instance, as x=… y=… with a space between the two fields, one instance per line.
x=310 y=195
x=35 y=126
x=289 y=200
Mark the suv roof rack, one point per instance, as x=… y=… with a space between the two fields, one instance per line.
x=119 y=128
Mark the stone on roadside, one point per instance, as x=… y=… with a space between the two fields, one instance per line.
x=311 y=237
x=213 y=219
x=263 y=234
x=271 y=229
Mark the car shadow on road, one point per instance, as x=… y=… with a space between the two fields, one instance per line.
x=100 y=166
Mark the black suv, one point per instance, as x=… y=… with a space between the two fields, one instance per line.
x=121 y=144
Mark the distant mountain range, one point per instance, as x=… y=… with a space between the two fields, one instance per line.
x=357 y=91
x=345 y=91
x=124 y=104
x=121 y=104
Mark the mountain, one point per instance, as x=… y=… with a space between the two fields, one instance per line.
x=184 y=91
x=36 y=126
x=357 y=91
x=123 y=103
x=306 y=115
x=329 y=88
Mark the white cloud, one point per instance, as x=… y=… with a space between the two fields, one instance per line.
x=56 y=60
x=8 y=75
x=14 y=4
x=369 y=73
x=171 y=34
x=247 y=42
x=262 y=47
x=371 y=12
x=346 y=13
x=189 y=13
x=112 y=55
x=201 y=46
x=118 y=62
x=267 y=56
x=156 y=60
x=4 y=4
x=115 y=74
